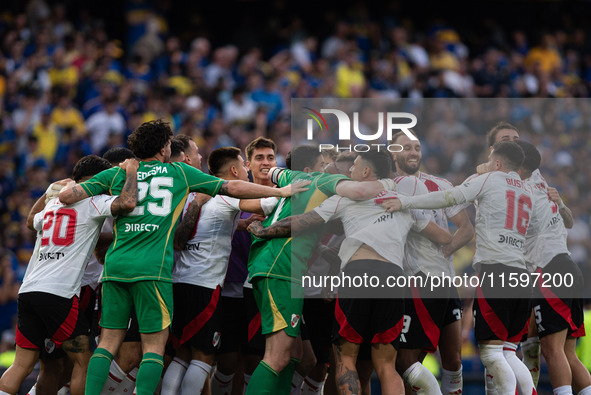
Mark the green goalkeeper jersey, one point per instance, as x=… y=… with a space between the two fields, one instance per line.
x=275 y=257
x=142 y=247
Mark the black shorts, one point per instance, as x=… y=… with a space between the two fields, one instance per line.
x=319 y=316
x=44 y=316
x=454 y=309
x=424 y=316
x=197 y=318
x=233 y=325
x=133 y=329
x=359 y=320
x=497 y=318
x=255 y=341
x=559 y=308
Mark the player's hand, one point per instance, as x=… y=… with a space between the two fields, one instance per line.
x=54 y=189
x=554 y=195
x=255 y=228
x=255 y=217
x=447 y=250
x=130 y=165
x=294 y=188
x=482 y=168
x=391 y=205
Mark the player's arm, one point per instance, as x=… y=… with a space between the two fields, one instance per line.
x=52 y=192
x=247 y=190
x=127 y=201
x=565 y=213
x=72 y=193
x=436 y=233
x=287 y=226
x=466 y=192
x=463 y=235
x=185 y=229
x=258 y=206
x=364 y=190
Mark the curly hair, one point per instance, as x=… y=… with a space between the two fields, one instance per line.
x=89 y=166
x=149 y=138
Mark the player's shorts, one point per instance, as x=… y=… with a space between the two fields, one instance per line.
x=359 y=320
x=423 y=317
x=233 y=324
x=454 y=309
x=497 y=318
x=279 y=309
x=197 y=320
x=254 y=341
x=556 y=308
x=46 y=320
x=152 y=301
x=319 y=316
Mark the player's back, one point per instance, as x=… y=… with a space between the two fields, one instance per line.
x=546 y=233
x=142 y=240
x=66 y=239
x=504 y=206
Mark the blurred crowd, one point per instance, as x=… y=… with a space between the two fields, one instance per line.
x=68 y=89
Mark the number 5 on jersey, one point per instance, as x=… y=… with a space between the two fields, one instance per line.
x=157 y=190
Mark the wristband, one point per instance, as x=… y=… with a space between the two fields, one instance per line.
x=388 y=184
x=561 y=205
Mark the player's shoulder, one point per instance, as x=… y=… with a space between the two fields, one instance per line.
x=410 y=185
x=430 y=179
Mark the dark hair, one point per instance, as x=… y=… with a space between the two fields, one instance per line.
x=532 y=158
x=380 y=160
x=176 y=148
x=511 y=153
x=259 y=142
x=219 y=158
x=117 y=155
x=301 y=157
x=492 y=134
x=184 y=140
x=149 y=138
x=89 y=166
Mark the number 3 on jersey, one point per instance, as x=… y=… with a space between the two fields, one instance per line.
x=156 y=188
x=522 y=212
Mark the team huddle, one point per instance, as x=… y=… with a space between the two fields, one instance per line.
x=151 y=276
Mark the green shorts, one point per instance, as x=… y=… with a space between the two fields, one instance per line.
x=279 y=310
x=152 y=301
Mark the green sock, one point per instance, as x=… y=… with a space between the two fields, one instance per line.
x=286 y=376
x=149 y=373
x=98 y=371
x=263 y=380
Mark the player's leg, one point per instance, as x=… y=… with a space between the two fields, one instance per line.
x=364 y=367
x=531 y=350
x=280 y=322
x=347 y=379
x=383 y=357
x=123 y=372
x=198 y=370
x=553 y=346
x=24 y=362
x=450 y=347
x=228 y=356
x=50 y=374
x=116 y=305
x=580 y=374
x=307 y=363
x=153 y=306
x=253 y=341
x=78 y=350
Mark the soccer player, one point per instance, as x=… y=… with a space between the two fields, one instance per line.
x=204 y=240
x=558 y=309
x=273 y=266
x=49 y=296
x=374 y=245
x=241 y=320
x=138 y=266
x=499 y=240
x=441 y=316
